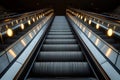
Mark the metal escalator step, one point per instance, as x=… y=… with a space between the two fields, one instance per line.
x=60 y=30
x=60 y=47
x=63 y=78
x=60 y=56
x=60 y=41
x=59 y=33
x=57 y=69
x=60 y=36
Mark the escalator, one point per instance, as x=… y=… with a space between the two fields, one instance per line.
x=61 y=56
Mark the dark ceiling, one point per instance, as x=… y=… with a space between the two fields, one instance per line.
x=60 y=5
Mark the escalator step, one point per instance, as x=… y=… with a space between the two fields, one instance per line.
x=60 y=30
x=57 y=69
x=60 y=36
x=60 y=47
x=60 y=41
x=61 y=56
x=59 y=33
x=61 y=78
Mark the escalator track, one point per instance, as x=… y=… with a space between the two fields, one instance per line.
x=61 y=57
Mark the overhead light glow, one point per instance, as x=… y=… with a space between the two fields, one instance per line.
x=33 y=19
x=9 y=32
x=97 y=26
x=81 y=17
x=22 y=26
x=90 y=21
x=84 y=19
x=29 y=22
x=110 y=32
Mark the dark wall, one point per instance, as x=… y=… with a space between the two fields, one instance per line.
x=60 y=5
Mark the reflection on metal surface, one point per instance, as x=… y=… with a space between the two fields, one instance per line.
x=89 y=21
x=102 y=22
x=108 y=25
x=110 y=32
x=84 y=19
x=34 y=31
x=12 y=23
x=89 y=34
x=22 y=26
x=84 y=29
x=30 y=35
x=114 y=27
x=29 y=22
x=11 y=52
x=97 y=41
x=23 y=42
x=81 y=17
x=97 y=26
x=33 y=19
x=17 y=21
x=9 y=32
x=38 y=28
x=43 y=14
x=108 y=52
x=6 y=26
x=37 y=18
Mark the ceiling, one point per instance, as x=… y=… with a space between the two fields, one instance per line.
x=60 y=5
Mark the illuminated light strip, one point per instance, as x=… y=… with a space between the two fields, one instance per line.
x=9 y=32
x=97 y=41
x=12 y=53
x=30 y=35
x=23 y=42
x=108 y=52
x=89 y=34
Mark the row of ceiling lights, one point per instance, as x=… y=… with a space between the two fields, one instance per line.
x=10 y=32
x=109 y=31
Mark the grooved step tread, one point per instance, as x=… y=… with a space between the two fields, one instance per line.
x=60 y=41
x=59 y=33
x=61 y=69
x=60 y=47
x=60 y=36
x=63 y=78
x=58 y=56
